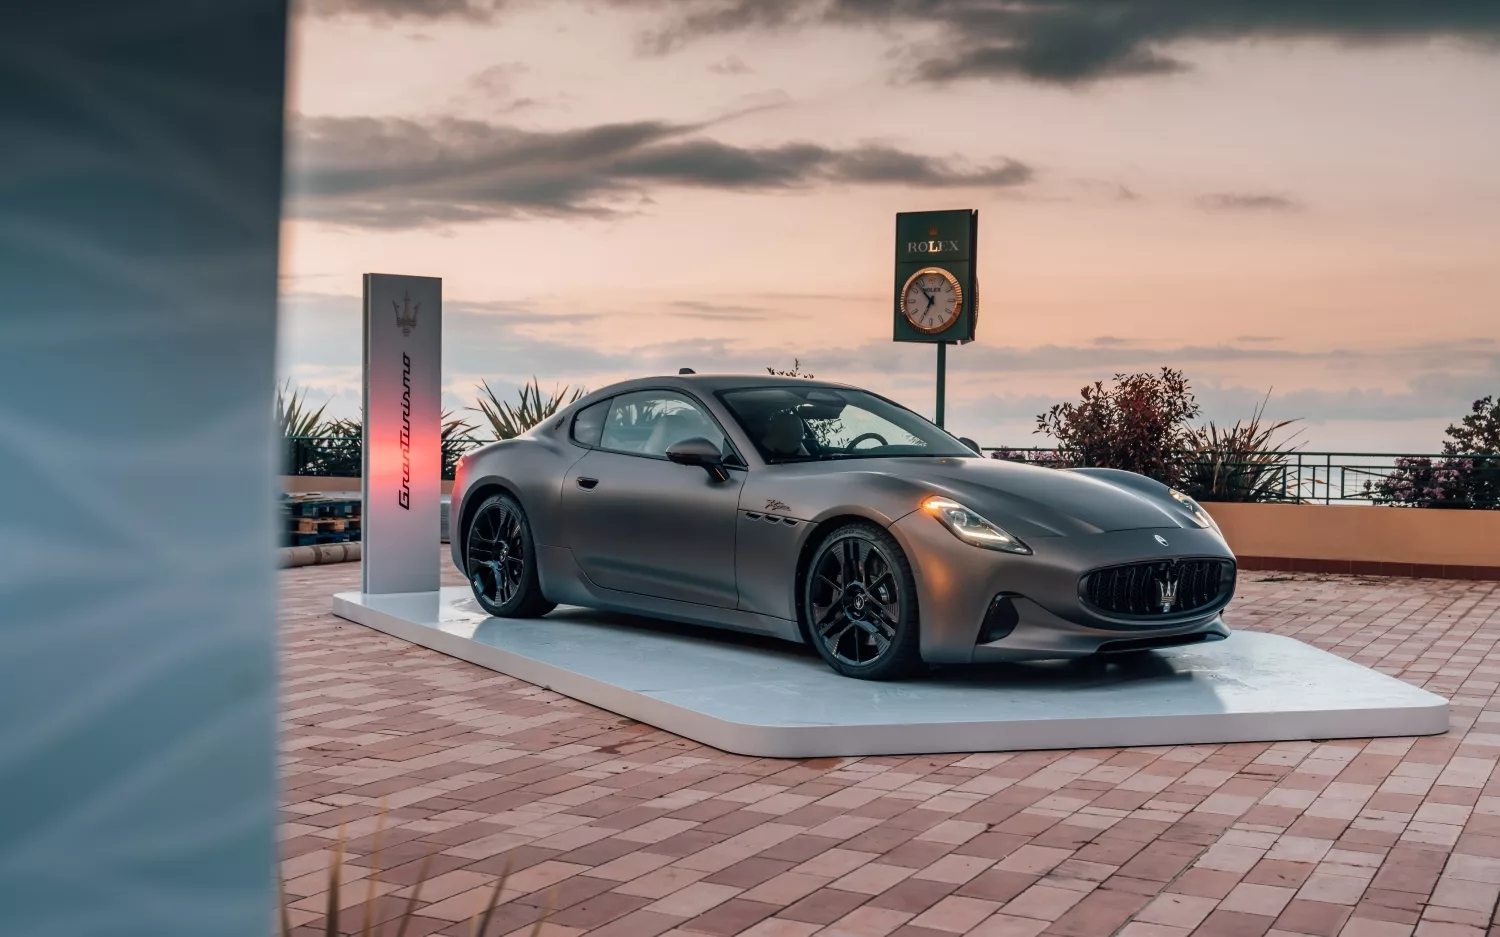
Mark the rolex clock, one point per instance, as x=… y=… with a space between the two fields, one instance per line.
x=936 y=287
x=932 y=300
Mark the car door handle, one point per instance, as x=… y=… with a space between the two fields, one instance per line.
x=586 y=483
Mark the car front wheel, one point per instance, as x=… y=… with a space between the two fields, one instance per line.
x=859 y=604
x=500 y=560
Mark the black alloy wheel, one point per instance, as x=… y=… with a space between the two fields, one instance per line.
x=500 y=559
x=859 y=604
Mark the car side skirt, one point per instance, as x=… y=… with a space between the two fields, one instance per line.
x=564 y=582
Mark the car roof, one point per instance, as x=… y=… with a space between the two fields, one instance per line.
x=710 y=383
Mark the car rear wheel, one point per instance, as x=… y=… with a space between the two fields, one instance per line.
x=500 y=560
x=859 y=604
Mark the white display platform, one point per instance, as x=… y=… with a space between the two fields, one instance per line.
x=762 y=697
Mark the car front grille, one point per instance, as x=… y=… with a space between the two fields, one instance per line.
x=1160 y=589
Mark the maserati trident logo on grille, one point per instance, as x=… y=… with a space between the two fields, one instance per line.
x=1166 y=591
x=1162 y=540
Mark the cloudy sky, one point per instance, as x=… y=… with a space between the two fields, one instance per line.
x=1298 y=197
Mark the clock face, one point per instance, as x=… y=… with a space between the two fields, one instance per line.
x=932 y=299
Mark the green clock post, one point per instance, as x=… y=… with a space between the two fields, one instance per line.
x=936 y=288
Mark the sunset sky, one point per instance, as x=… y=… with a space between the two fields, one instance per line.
x=1295 y=197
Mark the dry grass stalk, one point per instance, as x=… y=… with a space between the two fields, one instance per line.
x=283 y=913
x=547 y=909
x=416 y=890
x=374 y=871
x=482 y=923
x=331 y=918
x=479 y=923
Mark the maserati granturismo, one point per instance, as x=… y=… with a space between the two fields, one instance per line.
x=822 y=513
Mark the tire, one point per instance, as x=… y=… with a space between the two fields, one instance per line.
x=500 y=560
x=861 y=626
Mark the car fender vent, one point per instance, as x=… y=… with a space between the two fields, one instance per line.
x=772 y=518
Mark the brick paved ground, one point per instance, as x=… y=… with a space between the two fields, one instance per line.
x=631 y=831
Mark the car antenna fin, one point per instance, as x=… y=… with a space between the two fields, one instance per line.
x=686 y=371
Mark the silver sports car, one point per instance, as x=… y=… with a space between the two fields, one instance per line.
x=826 y=514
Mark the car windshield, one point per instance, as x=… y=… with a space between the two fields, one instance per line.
x=806 y=424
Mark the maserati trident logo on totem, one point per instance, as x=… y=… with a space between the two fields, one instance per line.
x=406 y=315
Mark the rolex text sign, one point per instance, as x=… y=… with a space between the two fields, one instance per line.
x=402 y=437
x=928 y=242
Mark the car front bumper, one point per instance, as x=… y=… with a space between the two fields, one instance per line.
x=956 y=583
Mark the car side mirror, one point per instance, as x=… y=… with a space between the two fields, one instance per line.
x=971 y=444
x=700 y=452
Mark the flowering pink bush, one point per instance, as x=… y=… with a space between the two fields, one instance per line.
x=1467 y=475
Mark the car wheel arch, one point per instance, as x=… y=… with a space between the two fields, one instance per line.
x=478 y=493
x=815 y=537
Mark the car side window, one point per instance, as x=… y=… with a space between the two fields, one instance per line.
x=648 y=422
x=588 y=423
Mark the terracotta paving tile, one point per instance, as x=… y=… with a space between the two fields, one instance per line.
x=1100 y=913
x=866 y=922
x=1185 y=911
x=622 y=829
x=1043 y=902
x=824 y=906
x=779 y=927
x=997 y=885
x=747 y=873
x=731 y=917
x=641 y=923
x=1315 y=918
x=912 y=895
x=693 y=899
x=1257 y=899
x=598 y=910
x=955 y=915
x=1004 y=925
x=1234 y=924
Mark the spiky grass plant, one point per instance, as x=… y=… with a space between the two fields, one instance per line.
x=479 y=923
x=1244 y=462
x=508 y=420
x=294 y=416
x=456 y=438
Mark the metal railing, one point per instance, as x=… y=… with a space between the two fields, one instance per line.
x=1299 y=477
x=1290 y=477
x=342 y=456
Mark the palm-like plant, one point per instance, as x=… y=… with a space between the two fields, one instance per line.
x=456 y=438
x=508 y=420
x=294 y=416
x=1243 y=462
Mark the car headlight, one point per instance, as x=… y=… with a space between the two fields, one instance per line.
x=1194 y=509
x=971 y=528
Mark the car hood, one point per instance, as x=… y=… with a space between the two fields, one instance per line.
x=1032 y=501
